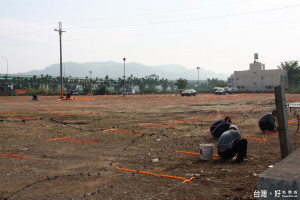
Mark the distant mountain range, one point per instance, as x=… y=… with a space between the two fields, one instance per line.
x=116 y=70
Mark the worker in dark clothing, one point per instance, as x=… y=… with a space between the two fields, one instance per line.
x=267 y=121
x=68 y=96
x=231 y=144
x=35 y=98
x=220 y=127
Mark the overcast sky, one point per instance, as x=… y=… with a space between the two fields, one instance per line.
x=216 y=35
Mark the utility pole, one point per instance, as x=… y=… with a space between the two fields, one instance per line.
x=198 y=75
x=91 y=79
x=60 y=31
x=124 y=59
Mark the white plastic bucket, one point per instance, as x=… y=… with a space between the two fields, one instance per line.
x=206 y=151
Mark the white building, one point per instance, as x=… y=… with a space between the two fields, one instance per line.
x=257 y=78
x=153 y=76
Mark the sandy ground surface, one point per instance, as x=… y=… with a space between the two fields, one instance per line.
x=71 y=149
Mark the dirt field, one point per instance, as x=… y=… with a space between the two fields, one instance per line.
x=71 y=149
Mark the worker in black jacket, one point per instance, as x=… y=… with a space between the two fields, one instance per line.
x=267 y=121
x=220 y=127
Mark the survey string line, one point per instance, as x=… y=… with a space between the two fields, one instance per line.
x=156 y=154
x=155 y=174
x=98 y=190
x=79 y=174
x=61 y=176
x=10 y=155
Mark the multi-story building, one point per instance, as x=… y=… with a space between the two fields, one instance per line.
x=257 y=78
x=153 y=76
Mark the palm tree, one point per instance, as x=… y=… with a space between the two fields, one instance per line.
x=151 y=84
x=181 y=83
x=141 y=84
x=164 y=84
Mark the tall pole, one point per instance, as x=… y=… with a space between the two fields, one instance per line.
x=60 y=31
x=91 y=79
x=6 y=64
x=124 y=59
x=198 y=75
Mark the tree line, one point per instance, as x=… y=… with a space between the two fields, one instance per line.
x=49 y=85
x=293 y=73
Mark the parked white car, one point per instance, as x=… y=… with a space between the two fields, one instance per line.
x=129 y=92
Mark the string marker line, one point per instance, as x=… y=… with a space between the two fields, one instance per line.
x=153 y=174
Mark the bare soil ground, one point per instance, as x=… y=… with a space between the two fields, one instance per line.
x=72 y=149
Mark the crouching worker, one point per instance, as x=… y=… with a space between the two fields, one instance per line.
x=35 y=98
x=267 y=121
x=220 y=127
x=231 y=144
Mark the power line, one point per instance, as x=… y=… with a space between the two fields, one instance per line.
x=162 y=22
x=25 y=33
x=190 y=20
x=161 y=12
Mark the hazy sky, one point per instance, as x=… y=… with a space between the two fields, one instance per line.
x=216 y=35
